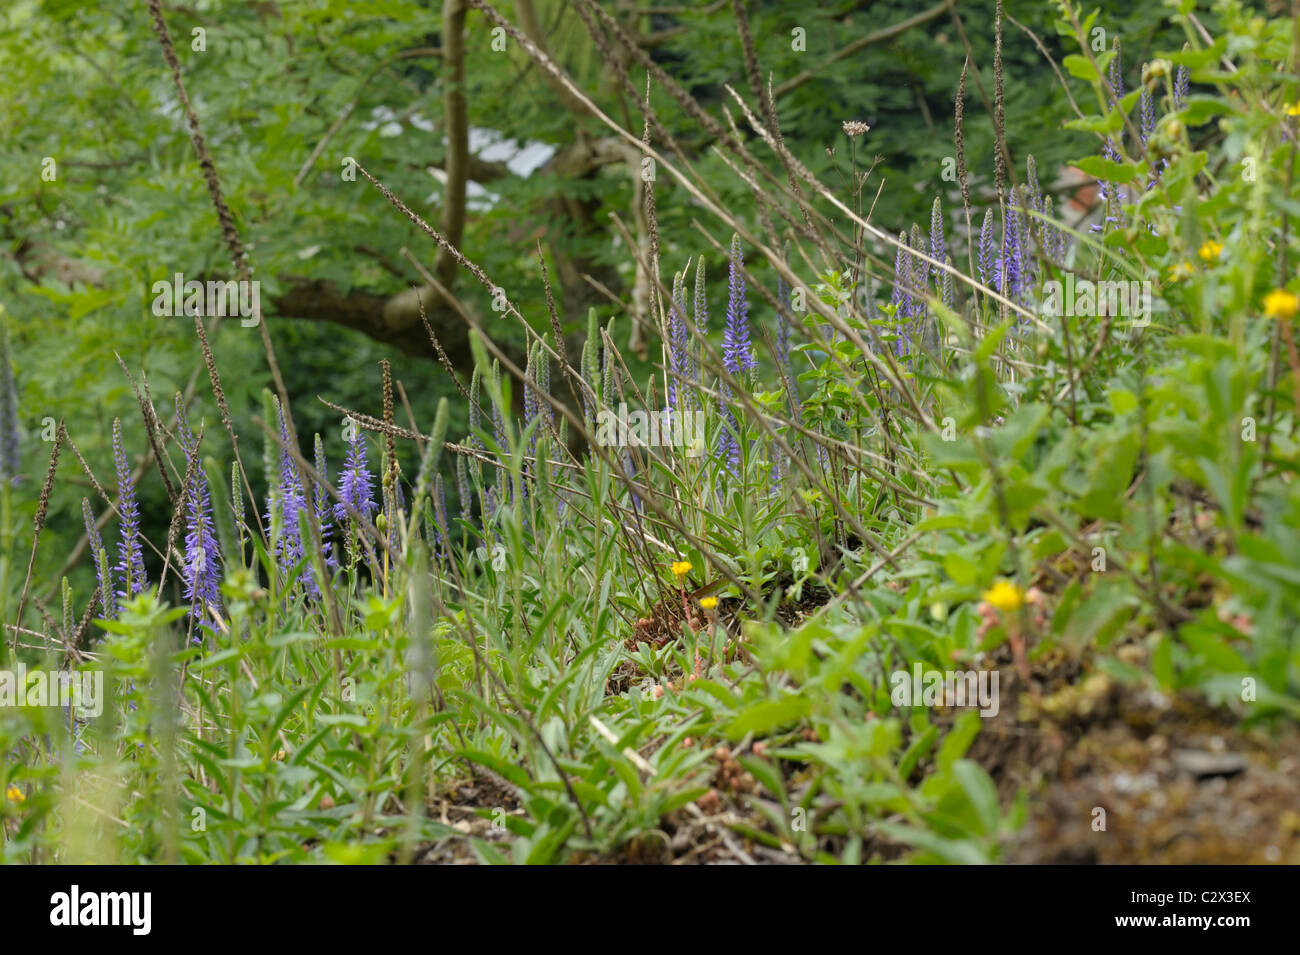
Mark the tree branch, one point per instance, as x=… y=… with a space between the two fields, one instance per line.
x=393 y=320
x=455 y=116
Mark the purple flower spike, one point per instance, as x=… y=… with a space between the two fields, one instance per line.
x=737 y=355
x=1148 y=114
x=354 y=483
x=103 y=572
x=462 y=488
x=938 y=249
x=920 y=270
x=1010 y=270
x=202 y=570
x=1109 y=195
x=1052 y=235
x=286 y=504
x=1033 y=189
x=1025 y=230
x=678 y=344
x=498 y=428
x=130 y=553
x=1115 y=73
x=987 y=254
x=320 y=500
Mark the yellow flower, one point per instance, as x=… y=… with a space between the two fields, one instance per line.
x=1005 y=596
x=1209 y=252
x=681 y=568
x=1292 y=109
x=1280 y=303
x=708 y=603
x=1181 y=270
x=14 y=794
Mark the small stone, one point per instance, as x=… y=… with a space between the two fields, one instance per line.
x=1132 y=654
x=1207 y=765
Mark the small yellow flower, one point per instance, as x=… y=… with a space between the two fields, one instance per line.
x=1280 y=303
x=1181 y=270
x=708 y=603
x=1005 y=596
x=681 y=568
x=1292 y=109
x=14 y=794
x=1209 y=252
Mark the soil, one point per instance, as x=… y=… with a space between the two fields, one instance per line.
x=1171 y=779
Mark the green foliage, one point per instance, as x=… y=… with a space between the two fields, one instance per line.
x=593 y=655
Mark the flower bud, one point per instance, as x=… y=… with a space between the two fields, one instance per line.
x=1155 y=71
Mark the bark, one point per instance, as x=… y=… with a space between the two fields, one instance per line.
x=393 y=320
x=455 y=118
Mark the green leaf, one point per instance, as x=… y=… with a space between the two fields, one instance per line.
x=1201 y=109
x=958 y=740
x=1107 y=169
x=1122 y=401
x=981 y=792
x=1080 y=67
x=765 y=773
x=954 y=851
x=762 y=718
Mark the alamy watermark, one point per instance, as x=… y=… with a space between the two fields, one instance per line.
x=211 y=299
x=651 y=429
x=1132 y=299
x=946 y=688
x=82 y=691
x=132 y=910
